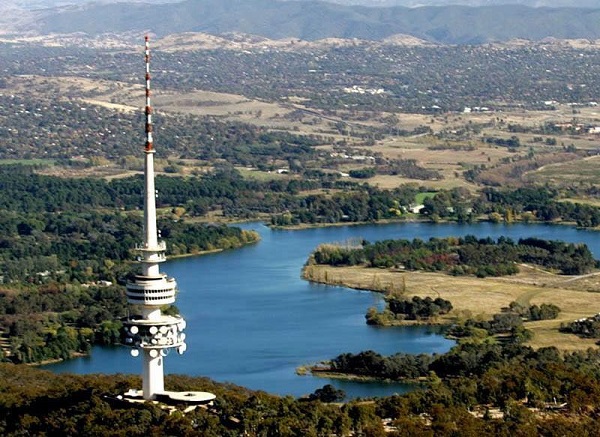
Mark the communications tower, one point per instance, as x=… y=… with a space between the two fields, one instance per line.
x=149 y=332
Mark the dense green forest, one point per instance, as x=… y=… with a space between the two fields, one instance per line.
x=55 y=320
x=461 y=256
x=90 y=246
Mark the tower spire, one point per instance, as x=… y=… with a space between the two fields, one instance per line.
x=150 y=231
x=149 y=140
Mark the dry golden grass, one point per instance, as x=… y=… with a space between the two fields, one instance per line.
x=474 y=297
x=390 y=182
x=105 y=172
x=72 y=87
x=201 y=41
x=583 y=170
x=115 y=106
x=449 y=163
x=585 y=201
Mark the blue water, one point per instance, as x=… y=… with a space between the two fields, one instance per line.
x=252 y=320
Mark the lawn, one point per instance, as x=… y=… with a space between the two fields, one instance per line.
x=420 y=197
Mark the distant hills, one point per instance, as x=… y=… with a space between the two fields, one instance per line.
x=312 y=20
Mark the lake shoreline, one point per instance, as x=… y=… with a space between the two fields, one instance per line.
x=74 y=355
x=417 y=219
x=212 y=251
x=332 y=374
x=252 y=319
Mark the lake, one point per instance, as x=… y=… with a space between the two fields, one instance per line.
x=251 y=319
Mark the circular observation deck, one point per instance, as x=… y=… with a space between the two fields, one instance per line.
x=151 y=290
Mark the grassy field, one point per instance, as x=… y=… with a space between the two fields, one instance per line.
x=262 y=176
x=48 y=162
x=580 y=171
x=420 y=197
x=577 y=297
x=585 y=201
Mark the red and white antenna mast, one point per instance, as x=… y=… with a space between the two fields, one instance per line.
x=149 y=140
x=150 y=230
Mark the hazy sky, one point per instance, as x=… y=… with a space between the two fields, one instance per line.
x=34 y=4
x=412 y=3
